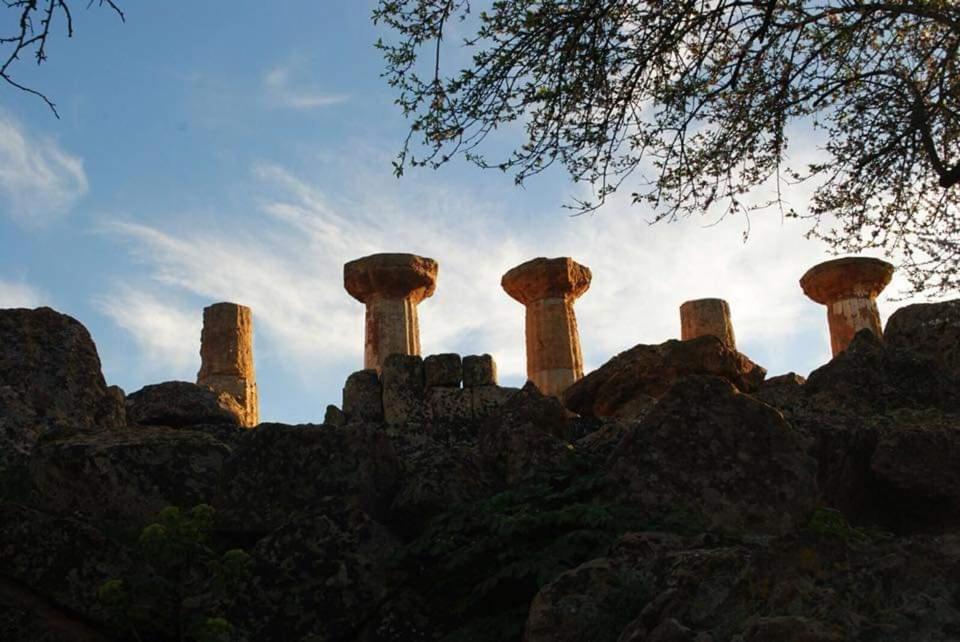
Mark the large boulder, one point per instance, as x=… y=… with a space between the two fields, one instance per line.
x=629 y=384
x=318 y=577
x=524 y=436
x=279 y=472
x=710 y=451
x=814 y=588
x=58 y=562
x=126 y=475
x=50 y=379
x=178 y=404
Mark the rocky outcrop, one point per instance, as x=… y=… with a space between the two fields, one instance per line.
x=178 y=404
x=739 y=466
x=50 y=380
x=629 y=383
x=280 y=472
x=127 y=475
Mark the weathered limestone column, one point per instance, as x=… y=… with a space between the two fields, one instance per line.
x=226 y=357
x=849 y=288
x=548 y=288
x=707 y=317
x=391 y=286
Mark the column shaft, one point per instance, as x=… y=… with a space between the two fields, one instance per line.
x=846 y=317
x=392 y=326
x=554 y=357
x=707 y=317
x=226 y=357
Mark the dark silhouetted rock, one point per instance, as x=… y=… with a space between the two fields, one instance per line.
x=280 y=472
x=50 y=379
x=363 y=397
x=712 y=451
x=178 y=404
x=443 y=370
x=479 y=370
x=127 y=475
x=334 y=416
x=403 y=389
x=628 y=384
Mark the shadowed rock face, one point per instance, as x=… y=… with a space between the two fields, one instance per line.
x=488 y=514
x=179 y=403
x=630 y=382
x=50 y=379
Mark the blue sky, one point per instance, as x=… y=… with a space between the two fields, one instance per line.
x=208 y=153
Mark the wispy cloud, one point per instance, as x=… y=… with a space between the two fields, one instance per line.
x=39 y=181
x=288 y=268
x=168 y=334
x=283 y=90
x=17 y=294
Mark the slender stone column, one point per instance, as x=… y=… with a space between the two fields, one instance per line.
x=849 y=288
x=707 y=316
x=226 y=357
x=548 y=288
x=391 y=286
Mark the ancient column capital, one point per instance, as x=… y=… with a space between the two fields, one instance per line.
x=547 y=288
x=543 y=278
x=390 y=276
x=846 y=278
x=391 y=286
x=849 y=288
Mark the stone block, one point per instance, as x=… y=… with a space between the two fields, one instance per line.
x=486 y=400
x=445 y=404
x=334 y=416
x=362 y=397
x=403 y=389
x=443 y=370
x=479 y=370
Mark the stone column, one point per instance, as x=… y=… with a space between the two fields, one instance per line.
x=548 y=288
x=226 y=357
x=391 y=286
x=849 y=288
x=707 y=317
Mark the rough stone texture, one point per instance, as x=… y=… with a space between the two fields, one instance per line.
x=50 y=379
x=178 y=403
x=702 y=589
x=628 y=384
x=333 y=416
x=487 y=400
x=849 y=288
x=226 y=357
x=318 y=577
x=740 y=465
x=781 y=391
x=449 y=404
x=58 y=561
x=363 y=397
x=280 y=472
x=479 y=370
x=524 y=435
x=129 y=475
x=930 y=334
x=391 y=286
x=445 y=370
x=403 y=389
x=707 y=317
x=548 y=288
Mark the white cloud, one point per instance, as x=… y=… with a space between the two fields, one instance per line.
x=39 y=181
x=283 y=91
x=167 y=334
x=288 y=268
x=17 y=294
